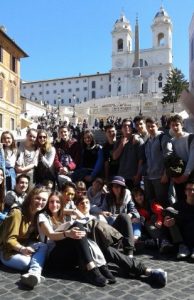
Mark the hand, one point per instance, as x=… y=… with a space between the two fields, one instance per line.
x=106 y=213
x=75 y=233
x=164 y=179
x=169 y=222
x=158 y=224
x=135 y=220
x=63 y=171
x=180 y=179
x=27 y=251
x=124 y=141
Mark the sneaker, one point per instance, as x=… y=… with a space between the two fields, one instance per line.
x=96 y=278
x=107 y=274
x=183 y=252
x=159 y=276
x=165 y=247
x=31 y=279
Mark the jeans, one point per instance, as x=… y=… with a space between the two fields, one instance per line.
x=10 y=178
x=32 y=263
x=136 y=229
x=124 y=226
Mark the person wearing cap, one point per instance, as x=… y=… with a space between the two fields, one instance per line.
x=120 y=212
x=130 y=155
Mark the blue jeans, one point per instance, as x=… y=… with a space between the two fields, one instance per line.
x=32 y=263
x=10 y=178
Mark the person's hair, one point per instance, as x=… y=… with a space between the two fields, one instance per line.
x=27 y=202
x=100 y=180
x=22 y=176
x=109 y=126
x=190 y=181
x=112 y=195
x=46 y=183
x=151 y=121
x=176 y=118
x=135 y=191
x=127 y=120
x=89 y=132
x=79 y=199
x=138 y=118
x=64 y=127
x=13 y=145
x=60 y=213
x=80 y=186
x=47 y=145
x=30 y=130
x=66 y=185
x=2 y=191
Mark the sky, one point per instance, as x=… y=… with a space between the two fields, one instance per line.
x=66 y=37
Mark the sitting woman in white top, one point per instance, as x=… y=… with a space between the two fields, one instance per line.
x=68 y=244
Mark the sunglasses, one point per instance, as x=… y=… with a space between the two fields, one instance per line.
x=70 y=194
x=42 y=137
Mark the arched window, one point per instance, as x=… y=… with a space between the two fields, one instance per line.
x=120 y=45
x=161 y=40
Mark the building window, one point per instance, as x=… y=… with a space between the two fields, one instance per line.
x=93 y=94
x=13 y=63
x=62 y=91
x=69 y=101
x=85 y=88
x=47 y=92
x=69 y=82
x=84 y=80
x=47 y=84
x=12 y=94
x=32 y=94
x=54 y=83
x=62 y=101
x=77 y=81
x=101 y=87
x=32 y=86
x=160 y=84
x=40 y=85
x=54 y=92
x=40 y=93
x=54 y=102
x=85 y=99
x=12 y=124
x=120 y=45
x=24 y=87
x=61 y=82
x=109 y=88
x=1 y=54
x=161 y=40
x=93 y=84
x=77 y=89
x=1 y=88
x=109 y=77
x=69 y=90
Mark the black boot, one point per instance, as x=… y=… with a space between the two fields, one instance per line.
x=95 y=277
x=107 y=273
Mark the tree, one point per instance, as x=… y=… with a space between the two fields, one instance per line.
x=174 y=86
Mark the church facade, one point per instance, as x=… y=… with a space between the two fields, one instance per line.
x=133 y=70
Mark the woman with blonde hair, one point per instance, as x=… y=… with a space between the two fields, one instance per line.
x=20 y=247
x=45 y=168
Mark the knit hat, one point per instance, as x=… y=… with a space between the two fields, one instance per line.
x=118 y=180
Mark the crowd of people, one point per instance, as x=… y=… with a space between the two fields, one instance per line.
x=75 y=203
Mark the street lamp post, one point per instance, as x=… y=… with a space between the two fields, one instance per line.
x=59 y=100
x=173 y=100
x=74 y=98
x=140 y=104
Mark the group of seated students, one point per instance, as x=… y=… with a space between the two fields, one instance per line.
x=70 y=203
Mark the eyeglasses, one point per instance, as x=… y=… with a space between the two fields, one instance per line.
x=70 y=194
x=42 y=137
